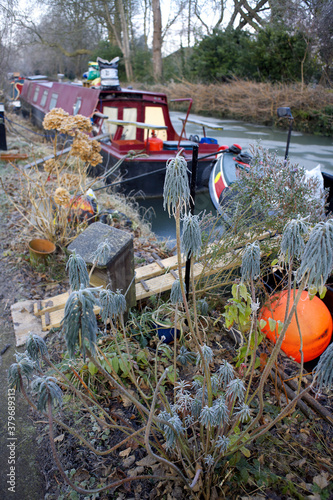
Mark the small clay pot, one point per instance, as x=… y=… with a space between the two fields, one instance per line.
x=40 y=250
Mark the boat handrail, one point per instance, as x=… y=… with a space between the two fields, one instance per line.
x=203 y=124
x=122 y=123
x=100 y=115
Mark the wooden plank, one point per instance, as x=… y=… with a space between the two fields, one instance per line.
x=160 y=284
x=51 y=304
x=24 y=321
x=155 y=269
x=99 y=278
x=56 y=317
x=159 y=268
x=13 y=156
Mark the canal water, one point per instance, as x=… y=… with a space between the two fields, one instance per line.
x=305 y=150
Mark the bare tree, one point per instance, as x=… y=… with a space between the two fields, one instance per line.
x=114 y=16
x=66 y=32
x=7 y=15
x=157 y=40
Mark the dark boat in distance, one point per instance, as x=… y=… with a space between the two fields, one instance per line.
x=136 y=128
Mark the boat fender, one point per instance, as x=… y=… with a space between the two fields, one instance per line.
x=235 y=148
x=244 y=158
x=314 y=321
x=222 y=148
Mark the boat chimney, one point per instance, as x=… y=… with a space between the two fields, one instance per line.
x=60 y=77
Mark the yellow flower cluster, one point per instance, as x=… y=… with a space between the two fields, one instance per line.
x=60 y=120
x=87 y=150
x=62 y=196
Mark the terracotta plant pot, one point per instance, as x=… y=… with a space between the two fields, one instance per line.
x=40 y=250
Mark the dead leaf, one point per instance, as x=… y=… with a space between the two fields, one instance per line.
x=321 y=480
x=127 y=462
x=136 y=472
x=147 y=461
x=59 y=438
x=125 y=453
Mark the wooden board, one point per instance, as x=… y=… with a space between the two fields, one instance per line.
x=24 y=321
x=51 y=304
x=159 y=284
x=155 y=269
x=54 y=318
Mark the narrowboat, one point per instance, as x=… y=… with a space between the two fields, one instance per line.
x=136 y=130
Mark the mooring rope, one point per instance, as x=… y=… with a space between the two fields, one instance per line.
x=48 y=136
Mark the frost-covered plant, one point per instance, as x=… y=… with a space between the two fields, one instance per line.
x=206 y=356
x=36 y=347
x=101 y=253
x=292 y=243
x=176 y=191
x=113 y=304
x=225 y=373
x=202 y=431
x=202 y=306
x=48 y=391
x=176 y=293
x=251 y=262
x=184 y=357
x=235 y=389
x=323 y=372
x=24 y=367
x=191 y=235
x=317 y=260
x=53 y=196
x=77 y=272
x=272 y=192
x=79 y=322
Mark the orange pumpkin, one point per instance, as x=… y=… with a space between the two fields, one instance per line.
x=315 y=323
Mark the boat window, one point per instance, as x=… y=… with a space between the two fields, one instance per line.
x=113 y=115
x=36 y=94
x=77 y=106
x=129 y=131
x=44 y=97
x=30 y=91
x=53 y=101
x=154 y=115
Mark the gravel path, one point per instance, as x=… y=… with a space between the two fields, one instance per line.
x=21 y=477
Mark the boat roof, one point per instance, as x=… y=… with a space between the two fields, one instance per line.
x=36 y=77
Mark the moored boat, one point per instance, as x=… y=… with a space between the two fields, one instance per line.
x=136 y=128
x=225 y=173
